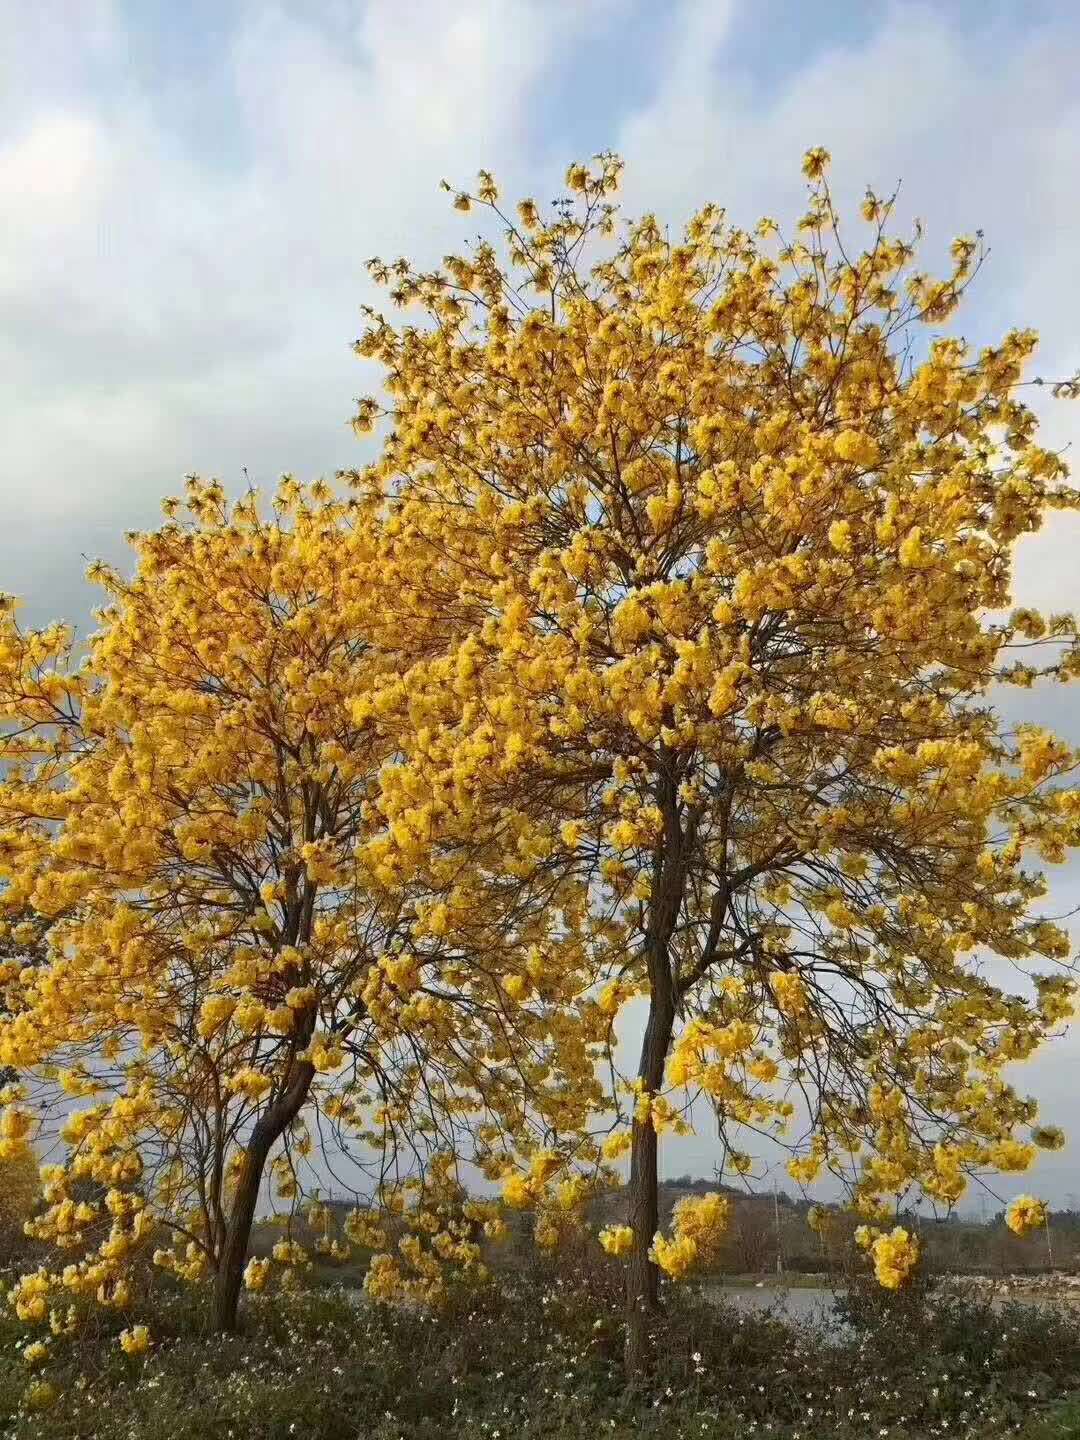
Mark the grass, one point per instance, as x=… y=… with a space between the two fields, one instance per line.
x=1060 y=1422
x=538 y=1355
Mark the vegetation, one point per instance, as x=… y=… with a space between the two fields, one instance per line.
x=540 y=1355
x=649 y=664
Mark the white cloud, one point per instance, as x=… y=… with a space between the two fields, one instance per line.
x=167 y=309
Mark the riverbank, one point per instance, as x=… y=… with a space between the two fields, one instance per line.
x=1057 y=1285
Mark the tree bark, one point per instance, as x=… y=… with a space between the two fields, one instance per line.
x=642 y=1275
x=268 y=1129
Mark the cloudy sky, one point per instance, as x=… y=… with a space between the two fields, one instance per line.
x=188 y=194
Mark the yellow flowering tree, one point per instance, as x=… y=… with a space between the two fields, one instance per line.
x=225 y=980
x=716 y=529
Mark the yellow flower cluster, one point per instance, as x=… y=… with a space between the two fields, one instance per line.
x=256 y=1274
x=135 y=1341
x=15 y=1127
x=617 y=1240
x=36 y=1353
x=1025 y=1214
x=895 y=1254
x=698 y=1227
x=40 y=1395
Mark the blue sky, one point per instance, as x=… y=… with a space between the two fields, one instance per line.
x=188 y=194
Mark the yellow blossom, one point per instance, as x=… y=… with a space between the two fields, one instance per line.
x=895 y=1256
x=135 y=1341
x=617 y=1240
x=1025 y=1214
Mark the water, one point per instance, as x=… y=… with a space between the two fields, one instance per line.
x=808 y=1304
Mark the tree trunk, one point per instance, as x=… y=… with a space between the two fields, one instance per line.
x=268 y=1129
x=642 y=1275
x=668 y=883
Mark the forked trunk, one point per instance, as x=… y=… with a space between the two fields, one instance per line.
x=268 y=1129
